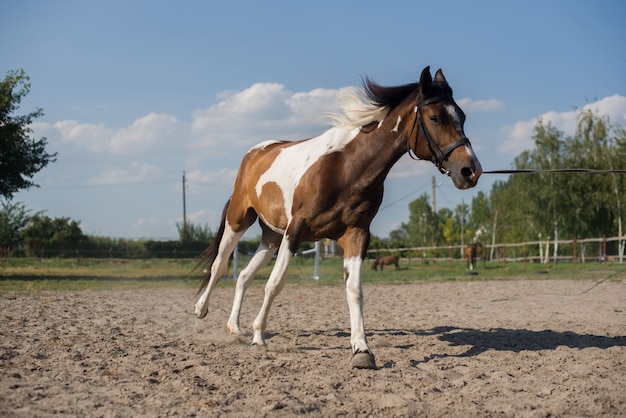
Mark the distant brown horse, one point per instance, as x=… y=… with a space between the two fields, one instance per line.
x=471 y=251
x=386 y=261
x=331 y=186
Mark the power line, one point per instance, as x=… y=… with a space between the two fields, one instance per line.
x=398 y=200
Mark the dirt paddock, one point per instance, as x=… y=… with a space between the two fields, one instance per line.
x=510 y=348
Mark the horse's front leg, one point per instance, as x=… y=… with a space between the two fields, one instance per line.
x=355 y=246
x=362 y=357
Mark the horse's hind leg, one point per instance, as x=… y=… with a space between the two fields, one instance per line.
x=219 y=267
x=274 y=285
x=262 y=256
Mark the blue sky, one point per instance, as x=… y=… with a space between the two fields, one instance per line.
x=136 y=92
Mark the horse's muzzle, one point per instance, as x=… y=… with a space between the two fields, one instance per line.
x=465 y=172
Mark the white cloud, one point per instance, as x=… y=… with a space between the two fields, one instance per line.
x=149 y=133
x=613 y=106
x=92 y=137
x=222 y=179
x=136 y=172
x=490 y=105
x=263 y=111
x=519 y=135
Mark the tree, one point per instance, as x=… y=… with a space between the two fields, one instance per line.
x=58 y=235
x=195 y=233
x=21 y=156
x=423 y=227
x=480 y=217
x=562 y=205
x=13 y=218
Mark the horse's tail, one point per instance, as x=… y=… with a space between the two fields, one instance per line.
x=208 y=255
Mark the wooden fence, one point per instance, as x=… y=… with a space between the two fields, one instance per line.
x=549 y=251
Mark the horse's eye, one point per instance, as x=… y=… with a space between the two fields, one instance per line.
x=434 y=119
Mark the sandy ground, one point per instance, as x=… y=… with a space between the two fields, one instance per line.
x=514 y=348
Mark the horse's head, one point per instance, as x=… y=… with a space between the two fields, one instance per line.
x=437 y=133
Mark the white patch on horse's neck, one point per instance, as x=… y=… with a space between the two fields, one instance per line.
x=294 y=161
x=395 y=128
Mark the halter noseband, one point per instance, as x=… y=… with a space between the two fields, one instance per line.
x=438 y=155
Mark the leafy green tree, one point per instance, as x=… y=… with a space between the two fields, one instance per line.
x=423 y=227
x=13 y=218
x=398 y=235
x=450 y=227
x=58 y=235
x=195 y=233
x=21 y=156
x=562 y=205
x=597 y=145
x=480 y=218
x=545 y=195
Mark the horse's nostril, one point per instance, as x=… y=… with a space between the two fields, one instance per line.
x=467 y=172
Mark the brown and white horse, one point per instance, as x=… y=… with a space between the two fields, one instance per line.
x=471 y=252
x=331 y=186
x=386 y=260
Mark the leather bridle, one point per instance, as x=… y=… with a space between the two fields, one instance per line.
x=437 y=154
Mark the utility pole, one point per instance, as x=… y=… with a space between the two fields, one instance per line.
x=184 y=237
x=462 y=224
x=432 y=196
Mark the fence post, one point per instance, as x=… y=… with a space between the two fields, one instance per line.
x=524 y=254
x=316 y=265
x=574 y=251
x=604 y=257
x=548 y=253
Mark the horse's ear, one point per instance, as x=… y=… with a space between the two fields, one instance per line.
x=440 y=77
x=425 y=80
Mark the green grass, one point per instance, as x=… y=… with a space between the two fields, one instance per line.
x=96 y=274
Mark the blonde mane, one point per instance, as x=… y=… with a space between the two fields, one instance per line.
x=357 y=109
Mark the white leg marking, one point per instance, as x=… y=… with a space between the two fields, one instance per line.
x=354 y=293
x=219 y=267
x=274 y=285
x=262 y=256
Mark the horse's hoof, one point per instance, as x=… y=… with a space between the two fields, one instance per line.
x=201 y=311
x=232 y=330
x=364 y=361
